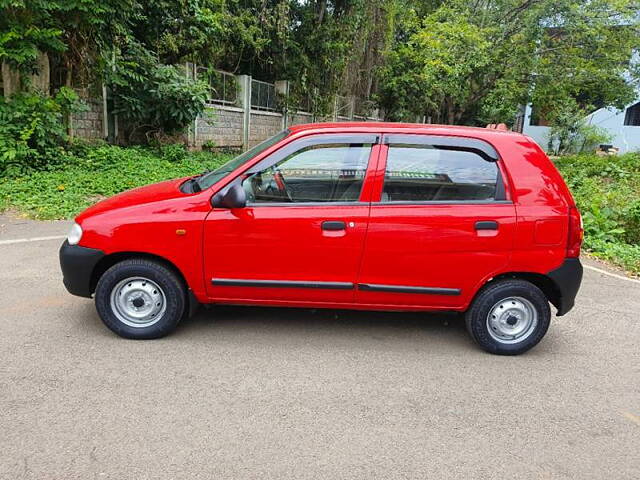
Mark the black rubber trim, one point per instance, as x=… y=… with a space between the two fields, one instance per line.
x=464 y=144
x=486 y=225
x=372 y=287
x=443 y=202
x=233 y=282
x=77 y=264
x=501 y=192
x=567 y=279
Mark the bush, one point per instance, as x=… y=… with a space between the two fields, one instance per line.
x=607 y=191
x=99 y=172
x=33 y=132
x=154 y=100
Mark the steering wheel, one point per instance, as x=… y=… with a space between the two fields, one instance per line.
x=281 y=184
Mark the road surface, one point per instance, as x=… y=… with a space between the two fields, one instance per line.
x=243 y=393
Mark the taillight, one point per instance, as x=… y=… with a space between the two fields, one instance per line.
x=576 y=233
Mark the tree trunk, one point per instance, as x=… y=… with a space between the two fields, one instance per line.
x=40 y=81
x=450 y=113
x=10 y=80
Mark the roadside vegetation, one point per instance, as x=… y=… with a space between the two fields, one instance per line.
x=607 y=191
x=606 y=188
x=87 y=174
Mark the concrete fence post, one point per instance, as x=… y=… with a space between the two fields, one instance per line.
x=282 y=87
x=244 y=88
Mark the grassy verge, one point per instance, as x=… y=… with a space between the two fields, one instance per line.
x=96 y=173
x=607 y=191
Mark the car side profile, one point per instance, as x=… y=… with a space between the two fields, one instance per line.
x=370 y=216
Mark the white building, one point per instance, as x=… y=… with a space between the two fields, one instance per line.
x=622 y=125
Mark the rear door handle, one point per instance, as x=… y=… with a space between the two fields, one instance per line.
x=487 y=225
x=333 y=225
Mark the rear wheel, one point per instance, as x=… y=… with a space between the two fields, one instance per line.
x=508 y=317
x=140 y=299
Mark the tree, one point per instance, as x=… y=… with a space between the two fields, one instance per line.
x=475 y=62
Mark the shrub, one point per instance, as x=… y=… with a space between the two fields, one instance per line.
x=154 y=100
x=32 y=130
x=607 y=191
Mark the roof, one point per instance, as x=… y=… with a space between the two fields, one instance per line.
x=405 y=127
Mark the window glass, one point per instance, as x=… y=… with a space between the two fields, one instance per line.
x=424 y=173
x=632 y=115
x=318 y=173
x=209 y=178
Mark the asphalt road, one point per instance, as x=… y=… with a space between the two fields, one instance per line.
x=263 y=393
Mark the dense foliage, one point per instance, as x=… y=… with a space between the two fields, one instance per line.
x=153 y=100
x=91 y=173
x=32 y=130
x=475 y=62
x=453 y=61
x=607 y=191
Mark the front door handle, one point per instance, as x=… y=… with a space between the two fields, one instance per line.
x=333 y=225
x=487 y=225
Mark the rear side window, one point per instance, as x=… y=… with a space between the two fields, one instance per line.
x=422 y=173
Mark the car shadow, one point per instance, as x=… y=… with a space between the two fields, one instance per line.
x=304 y=323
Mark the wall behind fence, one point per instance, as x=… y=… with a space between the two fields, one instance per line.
x=241 y=112
x=89 y=124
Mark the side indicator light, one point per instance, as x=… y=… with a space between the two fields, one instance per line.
x=181 y=231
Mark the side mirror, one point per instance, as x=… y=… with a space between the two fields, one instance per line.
x=232 y=197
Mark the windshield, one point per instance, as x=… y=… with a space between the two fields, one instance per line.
x=209 y=178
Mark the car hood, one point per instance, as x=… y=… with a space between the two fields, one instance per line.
x=153 y=193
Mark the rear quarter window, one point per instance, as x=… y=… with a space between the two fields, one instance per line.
x=417 y=173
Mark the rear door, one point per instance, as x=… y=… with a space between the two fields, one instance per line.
x=441 y=225
x=300 y=237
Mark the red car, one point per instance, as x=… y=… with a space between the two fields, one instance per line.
x=375 y=216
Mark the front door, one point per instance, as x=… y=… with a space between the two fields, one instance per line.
x=300 y=237
x=442 y=223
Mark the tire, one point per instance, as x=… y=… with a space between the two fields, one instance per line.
x=140 y=299
x=508 y=317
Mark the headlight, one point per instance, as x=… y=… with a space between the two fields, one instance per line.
x=75 y=234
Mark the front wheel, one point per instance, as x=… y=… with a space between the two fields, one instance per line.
x=140 y=299
x=508 y=317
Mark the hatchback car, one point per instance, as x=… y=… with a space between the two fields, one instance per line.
x=372 y=216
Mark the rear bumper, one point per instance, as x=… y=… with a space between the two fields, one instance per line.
x=77 y=265
x=567 y=279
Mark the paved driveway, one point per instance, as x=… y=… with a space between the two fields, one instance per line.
x=261 y=393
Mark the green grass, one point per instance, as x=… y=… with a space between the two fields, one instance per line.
x=607 y=191
x=96 y=173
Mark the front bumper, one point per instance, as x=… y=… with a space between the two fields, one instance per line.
x=567 y=279
x=77 y=265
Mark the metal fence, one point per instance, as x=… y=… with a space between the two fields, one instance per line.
x=364 y=108
x=223 y=86
x=263 y=96
x=343 y=106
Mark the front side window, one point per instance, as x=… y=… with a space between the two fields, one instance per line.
x=209 y=178
x=329 y=172
x=418 y=173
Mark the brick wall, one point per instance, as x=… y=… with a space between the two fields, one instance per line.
x=223 y=127
x=298 y=118
x=89 y=124
x=263 y=125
